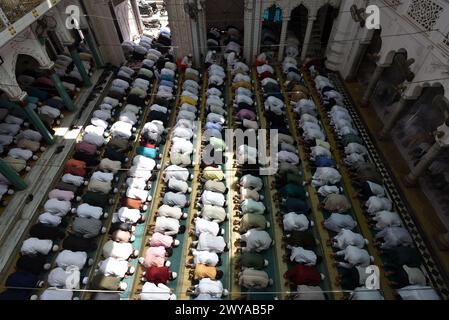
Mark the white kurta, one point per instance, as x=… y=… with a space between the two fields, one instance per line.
x=203 y=225
x=87 y=211
x=205 y=257
x=49 y=219
x=303 y=256
x=117 y=250
x=151 y=291
x=57 y=207
x=211 y=287
x=256 y=240
x=68 y=258
x=34 y=246
x=113 y=267
x=170 y=212
x=127 y=215
x=347 y=238
x=211 y=243
x=295 y=222
x=338 y=221
x=212 y=198
x=68 y=278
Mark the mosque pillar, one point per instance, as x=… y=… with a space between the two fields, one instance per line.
x=356 y=54
x=441 y=143
x=355 y=61
x=92 y=47
x=247 y=30
x=202 y=29
x=29 y=112
x=137 y=16
x=257 y=30
x=394 y=117
x=308 y=35
x=68 y=102
x=109 y=44
x=191 y=11
x=37 y=122
x=285 y=21
x=12 y=176
x=67 y=38
x=180 y=27
x=372 y=84
x=79 y=65
x=338 y=51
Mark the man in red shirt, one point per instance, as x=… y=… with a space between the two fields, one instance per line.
x=303 y=275
x=75 y=167
x=158 y=275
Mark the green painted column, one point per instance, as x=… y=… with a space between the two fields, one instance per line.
x=12 y=176
x=38 y=124
x=79 y=65
x=62 y=93
x=7 y=104
x=91 y=44
x=28 y=112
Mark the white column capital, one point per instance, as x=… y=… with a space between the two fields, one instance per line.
x=312 y=18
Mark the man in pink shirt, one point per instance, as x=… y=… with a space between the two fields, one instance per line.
x=161 y=240
x=246 y=114
x=62 y=195
x=154 y=257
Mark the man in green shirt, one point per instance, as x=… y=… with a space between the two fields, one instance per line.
x=251 y=221
x=293 y=190
x=218 y=144
x=252 y=260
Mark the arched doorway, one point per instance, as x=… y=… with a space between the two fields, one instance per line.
x=28 y=74
x=297 y=25
x=26 y=64
x=321 y=31
x=271 y=30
